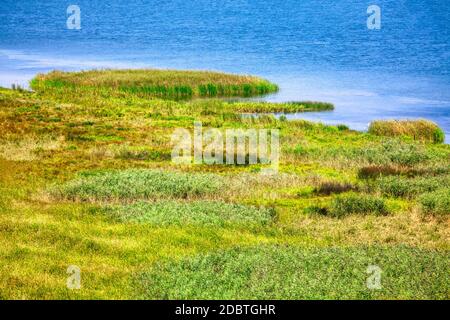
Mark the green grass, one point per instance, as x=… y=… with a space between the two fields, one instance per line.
x=142 y=153
x=284 y=272
x=206 y=213
x=156 y=83
x=357 y=204
x=436 y=203
x=352 y=204
x=383 y=152
x=396 y=186
x=70 y=152
x=423 y=130
x=396 y=152
x=271 y=107
x=135 y=184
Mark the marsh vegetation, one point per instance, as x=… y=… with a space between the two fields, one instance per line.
x=87 y=179
x=423 y=130
x=175 y=84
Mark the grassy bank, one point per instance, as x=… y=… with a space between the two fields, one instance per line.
x=87 y=179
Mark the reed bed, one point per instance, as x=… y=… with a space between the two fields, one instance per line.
x=283 y=107
x=423 y=130
x=171 y=84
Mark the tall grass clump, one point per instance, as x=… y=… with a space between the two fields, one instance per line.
x=377 y=171
x=423 y=130
x=171 y=212
x=289 y=272
x=330 y=187
x=142 y=154
x=410 y=187
x=351 y=204
x=155 y=83
x=361 y=204
x=271 y=107
x=134 y=184
x=395 y=152
x=436 y=203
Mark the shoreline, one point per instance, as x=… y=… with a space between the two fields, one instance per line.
x=356 y=105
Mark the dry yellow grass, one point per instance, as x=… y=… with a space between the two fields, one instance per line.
x=422 y=129
x=27 y=148
x=115 y=78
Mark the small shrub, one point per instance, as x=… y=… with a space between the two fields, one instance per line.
x=342 y=127
x=349 y=204
x=317 y=210
x=299 y=150
x=423 y=130
x=330 y=187
x=436 y=203
x=375 y=171
x=438 y=136
x=357 y=204
x=408 y=157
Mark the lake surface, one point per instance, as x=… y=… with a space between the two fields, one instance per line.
x=314 y=50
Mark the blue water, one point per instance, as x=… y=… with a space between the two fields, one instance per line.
x=315 y=50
